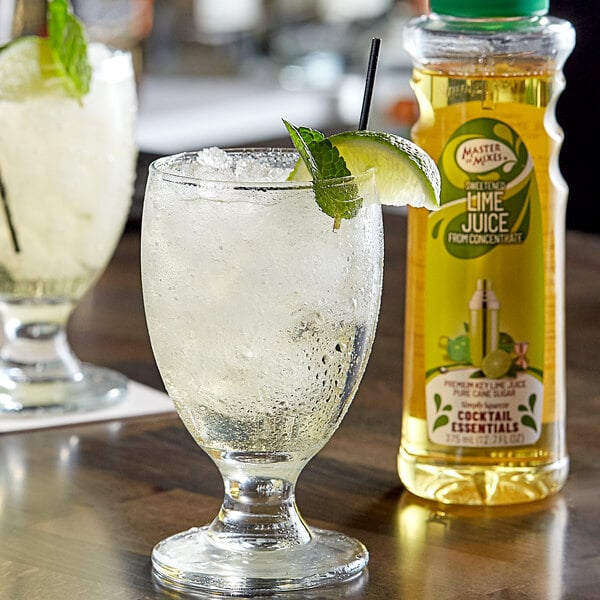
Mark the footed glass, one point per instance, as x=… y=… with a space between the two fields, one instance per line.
x=261 y=318
x=67 y=168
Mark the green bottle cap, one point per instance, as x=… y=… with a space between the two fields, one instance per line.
x=480 y=9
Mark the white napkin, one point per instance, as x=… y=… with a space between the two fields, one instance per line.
x=140 y=400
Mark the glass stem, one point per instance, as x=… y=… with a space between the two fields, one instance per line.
x=35 y=346
x=259 y=513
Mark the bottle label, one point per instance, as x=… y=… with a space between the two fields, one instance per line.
x=484 y=313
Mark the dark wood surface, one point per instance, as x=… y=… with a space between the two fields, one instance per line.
x=81 y=507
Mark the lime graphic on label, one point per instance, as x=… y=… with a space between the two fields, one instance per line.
x=496 y=364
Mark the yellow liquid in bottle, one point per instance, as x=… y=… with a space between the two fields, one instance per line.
x=492 y=474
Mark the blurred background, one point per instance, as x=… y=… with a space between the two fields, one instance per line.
x=224 y=72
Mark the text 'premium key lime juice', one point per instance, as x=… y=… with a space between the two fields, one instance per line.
x=484 y=386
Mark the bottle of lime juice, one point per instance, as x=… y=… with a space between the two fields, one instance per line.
x=484 y=382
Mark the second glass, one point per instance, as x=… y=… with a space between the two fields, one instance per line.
x=67 y=168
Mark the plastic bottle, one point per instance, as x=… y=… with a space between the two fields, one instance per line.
x=487 y=429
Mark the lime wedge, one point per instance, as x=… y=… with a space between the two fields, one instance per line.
x=26 y=68
x=405 y=174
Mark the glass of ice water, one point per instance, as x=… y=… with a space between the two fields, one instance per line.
x=67 y=168
x=261 y=318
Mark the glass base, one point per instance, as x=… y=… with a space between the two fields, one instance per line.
x=92 y=388
x=193 y=561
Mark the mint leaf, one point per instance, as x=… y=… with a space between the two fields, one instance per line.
x=69 y=48
x=302 y=137
x=324 y=162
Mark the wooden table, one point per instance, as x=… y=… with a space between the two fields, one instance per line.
x=81 y=507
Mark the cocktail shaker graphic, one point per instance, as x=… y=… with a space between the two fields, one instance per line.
x=483 y=323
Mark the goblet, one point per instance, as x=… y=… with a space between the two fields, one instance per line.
x=261 y=318
x=66 y=179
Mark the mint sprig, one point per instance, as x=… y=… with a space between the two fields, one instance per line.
x=324 y=162
x=69 y=48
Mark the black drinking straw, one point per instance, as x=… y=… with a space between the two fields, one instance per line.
x=369 y=84
x=11 y=227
